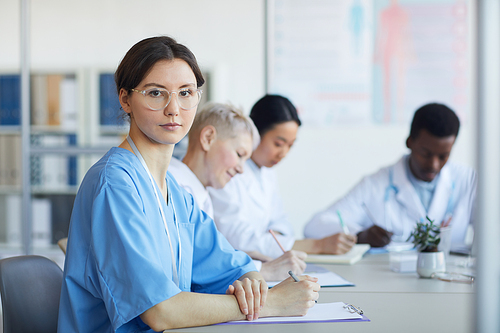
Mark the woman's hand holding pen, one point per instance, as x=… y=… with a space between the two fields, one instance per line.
x=276 y=270
x=337 y=244
x=290 y=298
x=251 y=293
x=375 y=236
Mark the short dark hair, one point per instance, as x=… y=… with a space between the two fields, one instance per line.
x=438 y=119
x=272 y=110
x=145 y=54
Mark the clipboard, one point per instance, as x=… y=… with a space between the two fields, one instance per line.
x=320 y=313
x=349 y=258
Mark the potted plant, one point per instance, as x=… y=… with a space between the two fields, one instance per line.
x=426 y=238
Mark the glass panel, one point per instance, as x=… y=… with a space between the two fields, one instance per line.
x=10 y=130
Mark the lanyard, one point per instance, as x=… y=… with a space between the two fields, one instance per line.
x=175 y=275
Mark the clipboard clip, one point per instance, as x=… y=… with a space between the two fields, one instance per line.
x=353 y=309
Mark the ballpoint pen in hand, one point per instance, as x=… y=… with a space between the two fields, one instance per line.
x=293 y=276
x=342 y=224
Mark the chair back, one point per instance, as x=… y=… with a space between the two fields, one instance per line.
x=30 y=287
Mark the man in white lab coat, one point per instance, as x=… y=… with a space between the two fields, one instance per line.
x=385 y=206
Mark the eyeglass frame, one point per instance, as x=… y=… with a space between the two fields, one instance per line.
x=176 y=92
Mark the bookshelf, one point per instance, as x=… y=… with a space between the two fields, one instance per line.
x=74 y=120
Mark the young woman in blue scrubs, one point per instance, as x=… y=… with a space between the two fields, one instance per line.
x=141 y=255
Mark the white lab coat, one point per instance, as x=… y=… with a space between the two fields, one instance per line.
x=248 y=207
x=188 y=180
x=396 y=206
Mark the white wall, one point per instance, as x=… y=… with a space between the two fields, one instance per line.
x=10 y=33
x=228 y=39
x=226 y=36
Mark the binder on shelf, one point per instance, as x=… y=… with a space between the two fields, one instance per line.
x=3 y=159
x=35 y=163
x=53 y=167
x=62 y=206
x=10 y=159
x=72 y=162
x=10 y=219
x=14 y=153
x=39 y=101
x=53 y=99
x=41 y=226
x=53 y=171
x=68 y=103
x=10 y=100
x=109 y=105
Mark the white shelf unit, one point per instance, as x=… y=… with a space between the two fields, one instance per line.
x=69 y=147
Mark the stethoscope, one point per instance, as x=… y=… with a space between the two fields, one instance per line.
x=175 y=274
x=391 y=188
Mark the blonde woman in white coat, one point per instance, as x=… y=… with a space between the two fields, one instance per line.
x=220 y=141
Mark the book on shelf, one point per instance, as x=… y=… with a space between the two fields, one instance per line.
x=10 y=99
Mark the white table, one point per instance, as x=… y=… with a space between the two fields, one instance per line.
x=394 y=302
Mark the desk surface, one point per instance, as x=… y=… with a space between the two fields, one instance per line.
x=372 y=274
x=394 y=302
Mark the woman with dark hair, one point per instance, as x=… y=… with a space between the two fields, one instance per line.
x=249 y=206
x=141 y=255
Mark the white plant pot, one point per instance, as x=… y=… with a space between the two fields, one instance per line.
x=430 y=262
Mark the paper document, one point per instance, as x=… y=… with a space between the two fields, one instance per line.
x=325 y=277
x=319 y=312
x=349 y=258
x=393 y=247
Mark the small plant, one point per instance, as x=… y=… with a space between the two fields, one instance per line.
x=426 y=236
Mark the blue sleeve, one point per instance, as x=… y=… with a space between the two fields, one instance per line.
x=216 y=264
x=132 y=274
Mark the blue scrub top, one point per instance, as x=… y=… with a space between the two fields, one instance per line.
x=118 y=261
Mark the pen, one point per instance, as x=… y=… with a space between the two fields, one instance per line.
x=293 y=276
x=277 y=241
x=342 y=224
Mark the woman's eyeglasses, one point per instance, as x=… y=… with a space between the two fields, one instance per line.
x=158 y=98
